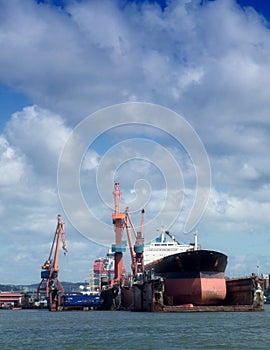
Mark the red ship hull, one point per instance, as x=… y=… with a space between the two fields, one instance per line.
x=201 y=290
x=193 y=277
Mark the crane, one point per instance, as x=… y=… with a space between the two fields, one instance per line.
x=136 y=250
x=139 y=248
x=121 y=221
x=50 y=270
x=111 y=292
x=119 y=247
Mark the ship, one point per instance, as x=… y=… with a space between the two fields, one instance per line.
x=165 y=244
x=103 y=270
x=86 y=296
x=103 y=273
x=167 y=275
x=167 y=271
x=191 y=275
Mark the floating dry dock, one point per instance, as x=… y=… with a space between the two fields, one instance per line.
x=243 y=294
x=214 y=308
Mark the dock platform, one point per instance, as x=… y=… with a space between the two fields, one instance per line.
x=216 y=308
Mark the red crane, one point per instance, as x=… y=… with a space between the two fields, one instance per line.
x=120 y=221
x=119 y=247
x=49 y=274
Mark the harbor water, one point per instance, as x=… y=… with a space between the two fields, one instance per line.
x=41 y=329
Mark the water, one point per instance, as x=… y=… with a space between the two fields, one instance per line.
x=41 y=329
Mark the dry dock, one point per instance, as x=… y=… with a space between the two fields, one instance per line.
x=243 y=294
x=219 y=308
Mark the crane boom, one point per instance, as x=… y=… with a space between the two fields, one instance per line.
x=128 y=223
x=60 y=233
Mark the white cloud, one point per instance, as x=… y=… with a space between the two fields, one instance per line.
x=30 y=148
x=90 y=160
x=230 y=213
x=208 y=62
x=11 y=164
x=40 y=136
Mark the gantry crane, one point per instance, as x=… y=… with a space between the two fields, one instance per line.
x=49 y=274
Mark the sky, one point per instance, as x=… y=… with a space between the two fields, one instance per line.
x=169 y=98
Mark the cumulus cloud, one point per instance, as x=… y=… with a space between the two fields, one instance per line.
x=208 y=61
x=40 y=136
x=30 y=149
x=11 y=164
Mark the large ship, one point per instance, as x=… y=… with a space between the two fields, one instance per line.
x=191 y=275
x=164 y=272
x=165 y=245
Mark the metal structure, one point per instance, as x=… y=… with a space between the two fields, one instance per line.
x=136 y=250
x=120 y=246
x=121 y=221
x=50 y=270
x=118 y=292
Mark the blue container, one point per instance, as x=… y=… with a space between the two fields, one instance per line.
x=82 y=300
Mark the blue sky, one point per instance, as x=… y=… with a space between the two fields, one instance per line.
x=61 y=61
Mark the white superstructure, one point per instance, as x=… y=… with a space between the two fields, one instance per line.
x=165 y=245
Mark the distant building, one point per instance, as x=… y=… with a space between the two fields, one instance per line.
x=9 y=300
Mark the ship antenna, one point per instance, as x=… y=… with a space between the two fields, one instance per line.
x=162 y=235
x=196 y=240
